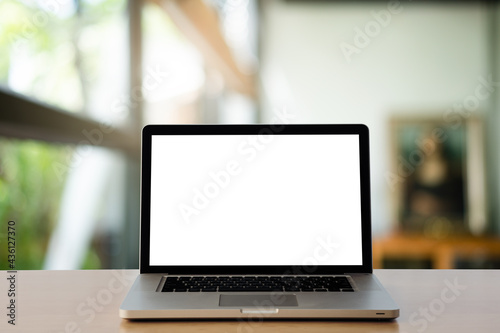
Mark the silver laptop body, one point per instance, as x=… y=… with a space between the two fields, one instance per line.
x=273 y=203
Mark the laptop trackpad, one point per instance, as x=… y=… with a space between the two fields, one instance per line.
x=262 y=301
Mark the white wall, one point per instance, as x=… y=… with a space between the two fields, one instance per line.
x=428 y=57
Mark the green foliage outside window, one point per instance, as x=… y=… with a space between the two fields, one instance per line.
x=50 y=50
x=30 y=194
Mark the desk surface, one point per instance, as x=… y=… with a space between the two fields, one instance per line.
x=88 y=301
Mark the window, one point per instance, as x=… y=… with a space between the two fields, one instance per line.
x=75 y=77
x=67 y=149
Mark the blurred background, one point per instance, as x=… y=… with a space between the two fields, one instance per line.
x=80 y=78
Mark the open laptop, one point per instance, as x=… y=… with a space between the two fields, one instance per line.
x=239 y=221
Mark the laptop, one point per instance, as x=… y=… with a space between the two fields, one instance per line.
x=244 y=221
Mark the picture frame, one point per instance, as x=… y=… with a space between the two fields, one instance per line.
x=437 y=176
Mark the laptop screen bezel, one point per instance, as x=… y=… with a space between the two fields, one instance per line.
x=268 y=129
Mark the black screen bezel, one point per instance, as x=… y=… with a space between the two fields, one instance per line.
x=275 y=129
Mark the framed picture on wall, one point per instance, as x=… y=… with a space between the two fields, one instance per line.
x=437 y=176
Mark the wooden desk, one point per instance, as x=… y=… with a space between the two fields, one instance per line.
x=88 y=301
x=442 y=253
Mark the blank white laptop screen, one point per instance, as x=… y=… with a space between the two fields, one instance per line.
x=255 y=200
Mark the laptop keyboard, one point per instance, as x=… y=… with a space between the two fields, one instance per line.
x=257 y=283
